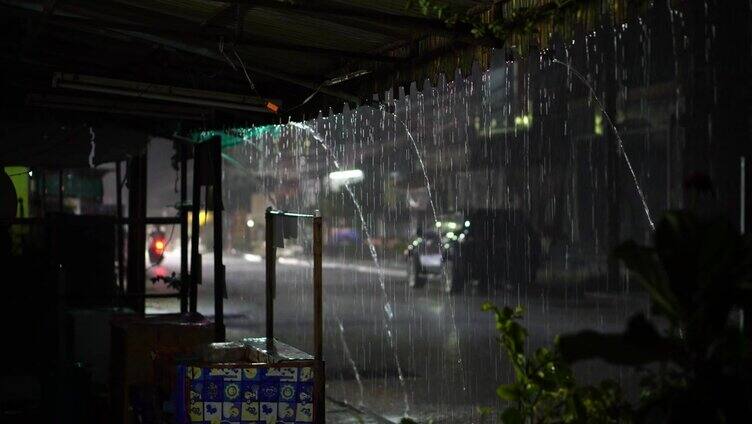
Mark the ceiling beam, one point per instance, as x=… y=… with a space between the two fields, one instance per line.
x=211 y=53
x=240 y=11
x=162 y=92
x=120 y=107
x=336 y=12
x=317 y=8
x=201 y=32
x=205 y=51
x=222 y=17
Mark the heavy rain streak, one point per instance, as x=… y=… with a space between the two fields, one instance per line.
x=542 y=162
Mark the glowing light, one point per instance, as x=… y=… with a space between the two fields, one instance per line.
x=250 y=257
x=467 y=224
x=350 y=174
x=250 y=223
x=438 y=224
x=524 y=121
x=598 y=124
x=272 y=107
x=338 y=179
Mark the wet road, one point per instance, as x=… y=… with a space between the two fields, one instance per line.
x=445 y=345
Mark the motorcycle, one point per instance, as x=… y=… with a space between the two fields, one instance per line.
x=157 y=245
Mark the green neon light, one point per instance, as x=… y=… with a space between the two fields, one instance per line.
x=234 y=136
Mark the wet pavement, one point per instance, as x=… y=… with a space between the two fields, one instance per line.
x=445 y=345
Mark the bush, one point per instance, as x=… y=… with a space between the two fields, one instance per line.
x=698 y=274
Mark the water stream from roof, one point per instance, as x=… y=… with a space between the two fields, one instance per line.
x=388 y=310
x=619 y=141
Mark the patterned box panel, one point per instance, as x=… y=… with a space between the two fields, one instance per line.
x=247 y=395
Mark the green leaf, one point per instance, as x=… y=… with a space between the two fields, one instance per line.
x=511 y=416
x=484 y=411
x=646 y=266
x=518 y=334
x=508 y=392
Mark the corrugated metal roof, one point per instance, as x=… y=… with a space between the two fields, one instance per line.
x=288 y=48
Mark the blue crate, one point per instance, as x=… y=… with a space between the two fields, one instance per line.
x=245 y=393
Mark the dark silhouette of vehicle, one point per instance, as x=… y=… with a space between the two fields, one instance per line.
x=491 y=246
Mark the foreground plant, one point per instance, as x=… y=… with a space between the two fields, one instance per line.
x=698 y=274
x=694 y=351
x=544 y=389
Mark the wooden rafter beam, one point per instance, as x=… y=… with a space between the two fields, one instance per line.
x=226 y=15
x=337 y=12
x=214 y=33
x=204 y=50
x=267 y=40
x=240 y=11
x=222 y=17
x=112 y=106
x=340 y=11
x=211 y=53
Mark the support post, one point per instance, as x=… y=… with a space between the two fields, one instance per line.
x=195 y=230
x=184 y=288
x=43 y=191
x=219 y=271
x=318 y=321
x=60 y=191
x=137 y=233
x=119 y=229
x=270 y=277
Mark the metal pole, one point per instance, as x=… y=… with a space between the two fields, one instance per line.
x=743 y=318
x=60 y=191
x=195 y=211
x=742 y=194
x=119 y=231
x=183 y=152
x=219 y=272
x=136 y=287
x=318 y=326
x=44 y=192
x=270 y=276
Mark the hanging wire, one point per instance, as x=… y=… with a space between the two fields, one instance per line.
x=307 y=99
x=222 y=50
x=245 y=72
x=329 y=82
x=242 y=66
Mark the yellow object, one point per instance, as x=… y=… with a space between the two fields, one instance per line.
x=203 y=217
x=20 y=177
